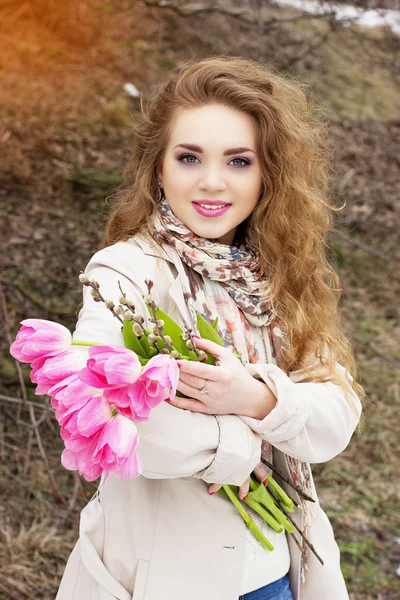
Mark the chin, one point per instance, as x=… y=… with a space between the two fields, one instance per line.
x=209 y=232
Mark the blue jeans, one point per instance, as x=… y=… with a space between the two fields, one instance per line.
x=278 y=590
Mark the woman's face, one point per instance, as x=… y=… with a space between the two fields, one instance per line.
x=210 y=171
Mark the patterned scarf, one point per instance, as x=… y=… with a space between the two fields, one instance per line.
x=228 y=282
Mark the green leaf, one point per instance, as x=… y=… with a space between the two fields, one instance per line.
x=131 y=340
x=215 y=323
x=173 y=330
x=152 y=352
x=145 y=345
x=192 y=356
x=207 y=331
x=143 y=361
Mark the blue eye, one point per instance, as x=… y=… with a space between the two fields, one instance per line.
x=191 y=159
x=244 y=162
x=188 y=156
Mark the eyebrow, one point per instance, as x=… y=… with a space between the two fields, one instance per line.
x=229 y=152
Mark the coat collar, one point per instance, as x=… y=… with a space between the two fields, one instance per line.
x=151 y=248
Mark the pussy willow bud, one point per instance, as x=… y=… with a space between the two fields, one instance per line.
x=148 y=299
x=156 y=330
x=185 y=336
x=165 y=351
x=175 y=354
x=189 y=344
x=128 y=316
x=202 y=356
x=151 y=338
x=160 y=324
x=167 y=340
x=137 y=329
x=141 y=319
x=109 y=304
x=123 y=300
x=95 y=296
x=131 y=305
x=84 y=279
x=119 y=311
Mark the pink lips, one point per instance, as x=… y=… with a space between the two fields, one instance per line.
x=211 y=212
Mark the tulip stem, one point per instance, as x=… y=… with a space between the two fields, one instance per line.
x=82 y=343
x=247 y=518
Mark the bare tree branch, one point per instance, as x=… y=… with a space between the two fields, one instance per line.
x=13 y=400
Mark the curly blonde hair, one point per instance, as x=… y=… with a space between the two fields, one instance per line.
x=291 y=220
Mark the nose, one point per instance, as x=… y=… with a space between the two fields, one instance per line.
x=212 y=180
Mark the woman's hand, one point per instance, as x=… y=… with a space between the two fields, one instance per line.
x=223 y=389
x=260 y=474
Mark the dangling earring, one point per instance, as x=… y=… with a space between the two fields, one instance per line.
x=160 y=193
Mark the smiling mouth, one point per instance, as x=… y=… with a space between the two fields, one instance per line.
x=213 y=206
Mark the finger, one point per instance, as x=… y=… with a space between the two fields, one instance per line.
x=219 y=352
x=195 y=382
x=244 y=489
x=200 y=370
x=193 y=393
x=187 y=404
x=260 y=473
x=214 y=487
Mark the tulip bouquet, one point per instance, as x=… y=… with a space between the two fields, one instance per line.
x=99 y=397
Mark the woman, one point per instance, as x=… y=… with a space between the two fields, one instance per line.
x=224 y=208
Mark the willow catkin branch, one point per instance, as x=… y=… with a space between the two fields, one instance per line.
x=303 y=535
x=296 y=541
x=286 y=480
x=97 y=296
x=293 y=522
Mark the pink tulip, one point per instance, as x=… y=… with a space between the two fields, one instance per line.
x=130 y=400
x=161 y=376
x=85 y=418
x=67 y=391
x=37 y=338
x=82 y=461
x=49 y=371
x=110 y=366
x=116 y=449
x=157 y=382
x=81 y=428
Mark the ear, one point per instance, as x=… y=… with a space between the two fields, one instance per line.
x=159 y=172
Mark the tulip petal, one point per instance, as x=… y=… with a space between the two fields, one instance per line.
x=93 y=416
x=123 y=370
x=68 y=460
x=37 y=338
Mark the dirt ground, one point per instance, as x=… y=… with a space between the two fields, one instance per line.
x=64 y=137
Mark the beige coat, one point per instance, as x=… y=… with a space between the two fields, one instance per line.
x=161 y=536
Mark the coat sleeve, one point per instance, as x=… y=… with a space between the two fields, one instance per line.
x=311 y=421
x=173 y=442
